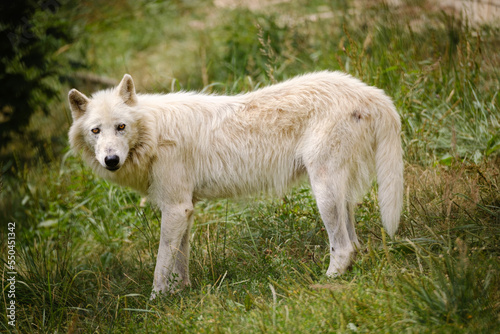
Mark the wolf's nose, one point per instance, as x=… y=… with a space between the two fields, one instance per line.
x=112 y=161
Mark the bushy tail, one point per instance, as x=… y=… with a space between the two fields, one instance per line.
x=389 y=166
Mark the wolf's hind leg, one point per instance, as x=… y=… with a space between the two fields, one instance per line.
x=351 y=223
x=329 y=188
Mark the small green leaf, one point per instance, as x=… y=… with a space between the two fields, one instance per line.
x=446 y=160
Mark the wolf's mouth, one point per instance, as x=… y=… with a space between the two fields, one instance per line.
x=113 y=169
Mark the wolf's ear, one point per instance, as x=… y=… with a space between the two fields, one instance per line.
x=78 y=103
x=126 y=90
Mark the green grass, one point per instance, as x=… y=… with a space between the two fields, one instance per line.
x=86 y=249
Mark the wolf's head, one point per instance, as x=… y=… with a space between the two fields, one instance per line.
x=106 y=126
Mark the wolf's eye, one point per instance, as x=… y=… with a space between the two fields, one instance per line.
x=96 y=130
x=121 y=127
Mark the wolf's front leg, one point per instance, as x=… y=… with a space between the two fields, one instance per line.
x=172 y=270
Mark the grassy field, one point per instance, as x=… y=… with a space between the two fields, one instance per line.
x=86 y=249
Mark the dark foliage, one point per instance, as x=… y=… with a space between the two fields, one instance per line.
x=32 y=37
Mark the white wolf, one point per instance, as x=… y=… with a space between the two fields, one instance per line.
x=180 y=147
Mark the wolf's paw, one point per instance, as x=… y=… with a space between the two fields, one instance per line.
x=332 y=273
x=158 y=293
x=339 y=264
